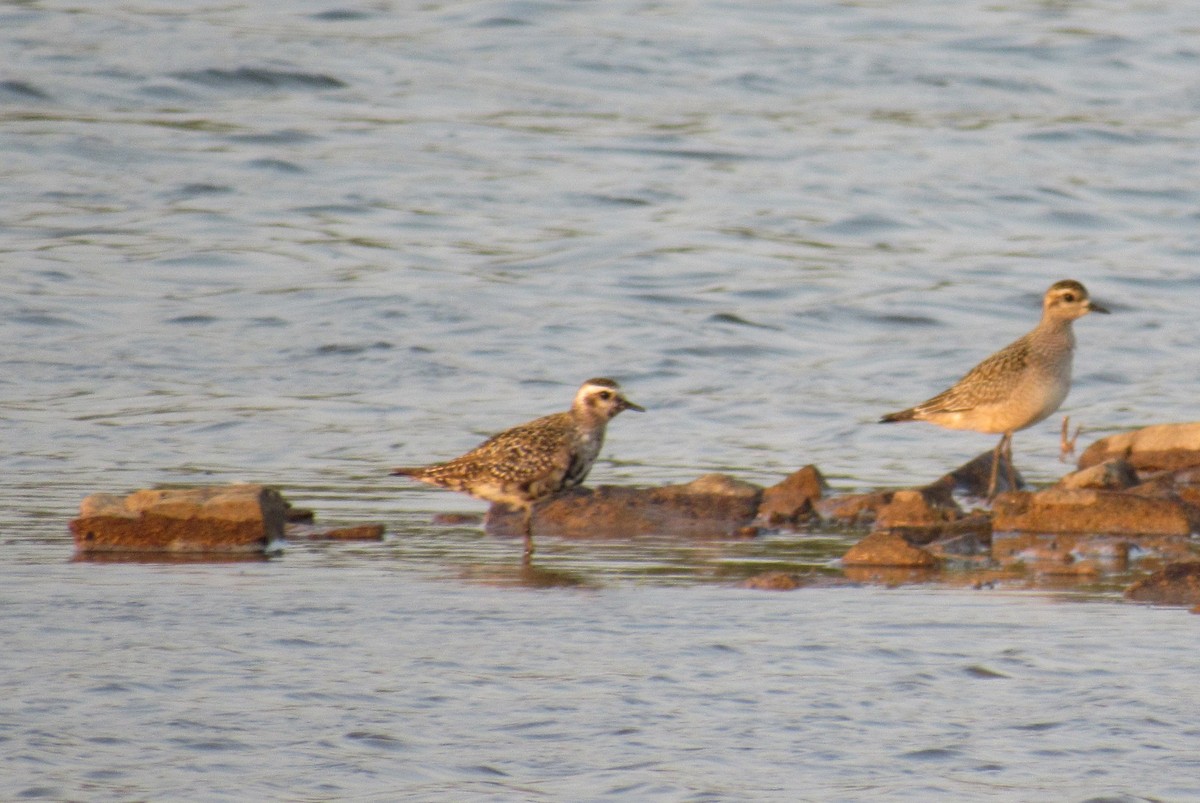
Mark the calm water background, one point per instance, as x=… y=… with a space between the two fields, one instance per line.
x=301 y=242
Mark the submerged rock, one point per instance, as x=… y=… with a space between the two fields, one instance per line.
x=1175 y=584
x=772 y=581
x=208 y=519
x=359 y=532
x=1063 y=553
x=1161 y=446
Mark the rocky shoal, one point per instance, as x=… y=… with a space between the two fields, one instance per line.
x=1135 y=497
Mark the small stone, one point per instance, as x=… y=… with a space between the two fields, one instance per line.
x=791 y=499
x=1161 y=446
x=1174 y=584
x=887 y=549
x=1115 y=474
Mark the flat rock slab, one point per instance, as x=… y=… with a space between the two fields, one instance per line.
x=207 y=519
x=1058 y=510
x=1161 y=446
x=713 y=506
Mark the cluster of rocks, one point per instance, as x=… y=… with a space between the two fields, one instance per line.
x=1134 y=496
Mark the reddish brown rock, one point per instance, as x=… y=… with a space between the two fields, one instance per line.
x=929 y=516
x=212 y=519
x=1162 y=446
x=772 y=581
x=1057 y=510
x=793 y=498
x=1115 y=474
x=714 y=505
x=920 y=514
x=887 y=549
x=1175 y=584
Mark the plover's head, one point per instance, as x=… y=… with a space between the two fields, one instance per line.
x=602 y=399
x=1068 y=300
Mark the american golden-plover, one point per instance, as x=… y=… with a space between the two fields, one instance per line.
x=532 y=461
x=1019 y=385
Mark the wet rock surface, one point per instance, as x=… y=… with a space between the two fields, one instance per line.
x=209 y=519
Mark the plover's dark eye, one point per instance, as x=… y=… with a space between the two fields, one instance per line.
x=605 y=395
x=1068 y=297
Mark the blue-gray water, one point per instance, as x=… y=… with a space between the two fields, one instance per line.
x=299 y=243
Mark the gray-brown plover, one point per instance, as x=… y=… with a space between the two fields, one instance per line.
x=532 y=461
x=1019 y=385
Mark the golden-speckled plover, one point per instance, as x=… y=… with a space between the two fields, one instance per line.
x=532 y=461
x=1019 y=385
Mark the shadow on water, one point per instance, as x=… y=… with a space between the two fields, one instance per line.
x=168 y=558
x=527 y=575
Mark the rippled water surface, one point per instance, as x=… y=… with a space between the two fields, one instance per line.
x=298 y=243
